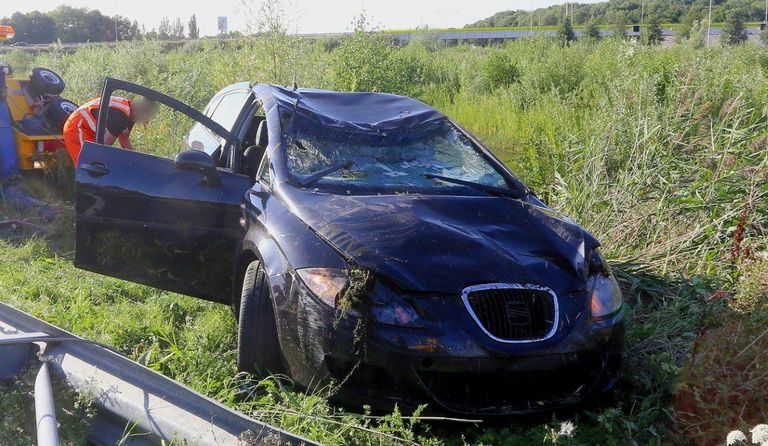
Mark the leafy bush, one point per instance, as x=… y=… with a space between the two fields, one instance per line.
x=362 y=61
x=499 y=70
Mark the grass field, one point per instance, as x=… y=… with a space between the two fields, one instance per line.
x=659 y=152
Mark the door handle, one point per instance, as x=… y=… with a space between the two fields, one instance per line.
x=95 y=169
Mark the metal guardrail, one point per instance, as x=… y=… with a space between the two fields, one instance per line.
x=125 y=394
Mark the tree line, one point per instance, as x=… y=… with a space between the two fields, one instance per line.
x=66 y=24
x=734 y=32
x=608 y=13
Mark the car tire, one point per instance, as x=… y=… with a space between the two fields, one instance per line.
x=59 y=111
x=43 y=80
x=258 y=347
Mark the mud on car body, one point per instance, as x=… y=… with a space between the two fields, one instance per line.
x=364 y=238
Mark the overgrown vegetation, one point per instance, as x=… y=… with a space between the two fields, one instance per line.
x=659 y=151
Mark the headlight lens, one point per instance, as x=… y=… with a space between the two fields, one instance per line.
x=389 y=307
x=605 y=295
x=325 y=283
x=396 y=312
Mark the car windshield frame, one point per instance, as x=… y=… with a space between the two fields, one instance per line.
x=511 y=182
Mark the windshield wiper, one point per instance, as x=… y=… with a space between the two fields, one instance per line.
x=478 y=186
x=325 y=172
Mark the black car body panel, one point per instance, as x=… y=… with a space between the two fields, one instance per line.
x=442 y=256
x=146 y=221
x=422 y=241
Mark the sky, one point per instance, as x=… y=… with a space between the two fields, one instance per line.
x=312 y=16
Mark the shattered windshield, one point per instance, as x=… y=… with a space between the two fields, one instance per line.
x=388 y=163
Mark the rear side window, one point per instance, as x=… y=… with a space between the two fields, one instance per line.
x=211 y=107
x=223 y=110
x=200 y=138
x=229 y=108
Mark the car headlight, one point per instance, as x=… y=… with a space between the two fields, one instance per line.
x=325 y=283
x=604 y=291
x=396 y=312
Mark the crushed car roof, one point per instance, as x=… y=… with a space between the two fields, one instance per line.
x=356 y=112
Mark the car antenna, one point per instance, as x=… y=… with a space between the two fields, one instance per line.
x=293 y=68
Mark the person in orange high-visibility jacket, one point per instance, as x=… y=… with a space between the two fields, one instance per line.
x=122 y=115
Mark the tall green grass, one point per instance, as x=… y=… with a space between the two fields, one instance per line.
x=660 y=152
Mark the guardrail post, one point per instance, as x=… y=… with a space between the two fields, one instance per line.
x=45 y=409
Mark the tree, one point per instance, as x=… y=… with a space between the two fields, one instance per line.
x=363 y=61
x=177 y=29
x=149 y=35
x=654 y=35
x=685 y=12
x=100 y=27
x=565 y=34
x=269 y=20
x=76 y=25
x=34 y=27
x=165 y=30
x=592 y=31
x=734 y=31
x=194 y=31
x=70 y=24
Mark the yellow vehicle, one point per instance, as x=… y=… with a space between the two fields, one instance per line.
x=34 y=113
x=6 y=32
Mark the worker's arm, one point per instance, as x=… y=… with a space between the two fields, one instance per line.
x=119 y=128
x=125 y=140
x=109 y=138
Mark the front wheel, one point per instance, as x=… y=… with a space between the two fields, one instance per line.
x=258 y=347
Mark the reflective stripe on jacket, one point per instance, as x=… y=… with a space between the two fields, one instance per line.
x=90 y=109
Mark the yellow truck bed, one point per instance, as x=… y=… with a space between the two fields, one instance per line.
x=30 y=146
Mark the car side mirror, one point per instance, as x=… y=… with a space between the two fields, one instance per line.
x=198 y=161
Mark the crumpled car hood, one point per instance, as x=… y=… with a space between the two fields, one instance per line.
x=443 y=244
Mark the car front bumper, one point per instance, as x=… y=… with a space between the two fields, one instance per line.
x=451 y=365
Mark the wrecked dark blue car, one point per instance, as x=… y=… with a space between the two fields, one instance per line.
x=363 y=238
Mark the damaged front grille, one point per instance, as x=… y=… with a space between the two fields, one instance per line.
x=511 y=312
